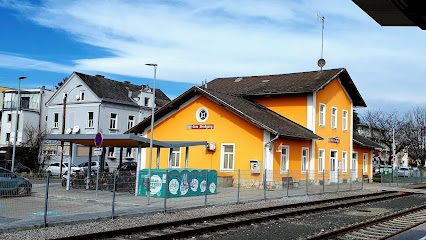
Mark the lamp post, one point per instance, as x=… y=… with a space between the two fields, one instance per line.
x=18 y=107
x=148 y=191
x=63 y=127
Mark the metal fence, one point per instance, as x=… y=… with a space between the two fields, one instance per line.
x=402 y=177
x=40 y=200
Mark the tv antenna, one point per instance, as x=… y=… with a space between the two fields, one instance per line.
x=321 y=61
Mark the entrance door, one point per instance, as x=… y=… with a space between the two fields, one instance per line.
x=333 y=166
x=354 y=166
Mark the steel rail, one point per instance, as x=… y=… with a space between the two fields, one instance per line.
x=186 y=227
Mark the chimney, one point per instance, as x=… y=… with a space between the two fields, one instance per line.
x=100 y=76
x=127 y=82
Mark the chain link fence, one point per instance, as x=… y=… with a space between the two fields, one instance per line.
x=401 y=177
x=40 y=200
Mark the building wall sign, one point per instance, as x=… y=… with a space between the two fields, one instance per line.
x=334 y=140
x=200 y=126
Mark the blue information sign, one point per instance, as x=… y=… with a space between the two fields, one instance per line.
x=98 y=140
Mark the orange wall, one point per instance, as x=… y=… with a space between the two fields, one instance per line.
x=228 y=128
x=293 y=107
x=295 y=158
x=333 y=95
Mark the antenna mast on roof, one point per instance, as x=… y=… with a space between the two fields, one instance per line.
x=321 y=61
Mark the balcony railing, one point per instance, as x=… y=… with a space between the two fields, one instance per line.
x=10 y=105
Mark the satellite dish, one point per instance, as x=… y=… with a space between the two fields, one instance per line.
x=77 y=96
x=76 y=129
x=68 y=130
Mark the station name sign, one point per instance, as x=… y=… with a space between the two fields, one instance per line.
x=334 y=140
x=200 y=126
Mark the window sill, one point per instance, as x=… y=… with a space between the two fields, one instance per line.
x=227 y=170
x=284 y=172
x=111 y=157
x=113 y=129
x=322 y=126
x=89 y=127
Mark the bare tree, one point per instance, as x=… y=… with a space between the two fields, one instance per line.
x=32 y=147
x=415 y=130
x=387 y=122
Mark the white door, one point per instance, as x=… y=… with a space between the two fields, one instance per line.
x=333 y=166
x=354 y=166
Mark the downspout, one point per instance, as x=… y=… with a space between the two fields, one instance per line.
x=275 y=138
x=99 y=115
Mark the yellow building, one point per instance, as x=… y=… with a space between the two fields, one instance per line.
x=298 y=123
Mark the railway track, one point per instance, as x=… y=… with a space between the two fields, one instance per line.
x=381 y=228
x=194 y=226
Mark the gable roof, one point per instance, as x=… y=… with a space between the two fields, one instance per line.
x=253 y=112
x=117 y=92
x=365 y=142
x=291 y=83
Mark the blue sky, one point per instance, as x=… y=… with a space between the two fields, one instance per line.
x=193 y=40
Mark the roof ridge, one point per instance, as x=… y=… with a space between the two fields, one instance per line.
x=280 y=74
x=110 y=79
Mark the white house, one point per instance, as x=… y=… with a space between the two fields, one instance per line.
x=95 y=104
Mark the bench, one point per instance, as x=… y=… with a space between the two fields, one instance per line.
x=365 y=177
x=291 y=183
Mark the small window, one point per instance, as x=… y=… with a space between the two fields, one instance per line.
x=285 y=159
x=321 y=160
x=131 y=122
x=81 y=95
x=111 y=153
x=322 y=115
x=344 y=161
x=7 y=137
x=56 y=120
x=175 y=158
x=9 y=117
x=113 y=121
x=202 y=114
x=90 y=120
x=227 y=157
x=25 y=102
x=305 y=160
x=146 y=103
x=345 y=120
x=129 y=153
x=334 y=118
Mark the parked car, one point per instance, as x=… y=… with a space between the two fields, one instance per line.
x=19 y=168
x=54 y=168
x=94 y=166
x=128 y=166
x=405 y=172
x=12 y=184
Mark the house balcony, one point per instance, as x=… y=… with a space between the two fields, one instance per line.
x=25 y=105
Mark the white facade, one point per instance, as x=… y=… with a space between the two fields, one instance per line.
x=33 y=113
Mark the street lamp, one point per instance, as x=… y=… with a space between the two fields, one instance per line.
x=63 y=127
x=148 y=191
x=17 y=124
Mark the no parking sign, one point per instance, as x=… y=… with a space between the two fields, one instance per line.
x=98 y=140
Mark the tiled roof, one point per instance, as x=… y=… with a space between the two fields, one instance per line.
x=118 y=92
x=365 y=142
x=251 y=111
x=292 y=83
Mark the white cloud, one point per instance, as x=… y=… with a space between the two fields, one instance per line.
x=192 y=40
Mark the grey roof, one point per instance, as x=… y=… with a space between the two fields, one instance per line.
x=253 y=112
x=291 y=83
x=117 y=92
x=365 y=142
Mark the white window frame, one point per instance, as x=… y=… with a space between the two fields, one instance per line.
x=90 y=122
x=321 y=160
x=222 y=157
x=334 y=167
x=334 y=118
x=345 y=120
x=322 y=115
x=354 y=168
x=285 y=159
x=130 y=123
x=175 y=161
x=113 y=120
x=55 y=124
x=305 y=160
x=344 y=161
x=365 y=162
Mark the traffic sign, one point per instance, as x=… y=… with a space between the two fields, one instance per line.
x=98 y=140
x=98 y=151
